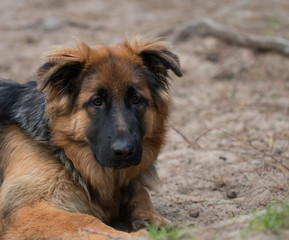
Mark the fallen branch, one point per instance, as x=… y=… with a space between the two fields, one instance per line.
x=208 y=27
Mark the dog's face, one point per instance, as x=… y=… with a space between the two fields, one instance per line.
x=115 y=101
x=110 y=99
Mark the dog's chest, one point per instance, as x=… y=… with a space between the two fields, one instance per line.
x=111 y=202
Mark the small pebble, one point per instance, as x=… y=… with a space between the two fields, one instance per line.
x=278 y=151
x=212 y=57
x=231 y=194
x=223 y=158
x=222 y=185
x=195 y=214
x=30 y=40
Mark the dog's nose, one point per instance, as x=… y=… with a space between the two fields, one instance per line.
x=123 y=149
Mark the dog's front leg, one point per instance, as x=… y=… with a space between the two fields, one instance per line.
x=142 y=210
x=44 y=221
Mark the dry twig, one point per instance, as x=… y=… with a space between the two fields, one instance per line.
x=191 y=143
x=249 y=144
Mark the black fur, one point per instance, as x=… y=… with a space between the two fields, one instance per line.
x=23 y=105
x=112 y=146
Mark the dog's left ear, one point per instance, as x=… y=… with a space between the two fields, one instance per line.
x=157 y=57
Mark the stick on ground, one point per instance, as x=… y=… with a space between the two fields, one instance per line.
x=207 y=27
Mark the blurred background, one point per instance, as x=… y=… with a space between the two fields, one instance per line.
x=227 y=148
x=30 y=27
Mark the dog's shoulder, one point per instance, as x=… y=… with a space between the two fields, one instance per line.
x=24 y=106
x=12 y=95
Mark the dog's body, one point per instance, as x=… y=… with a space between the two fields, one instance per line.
x=79 y=154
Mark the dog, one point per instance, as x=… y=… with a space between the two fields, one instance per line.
x=78 y=146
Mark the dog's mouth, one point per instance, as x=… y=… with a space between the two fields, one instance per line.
x=117 y=163
x=121 y=166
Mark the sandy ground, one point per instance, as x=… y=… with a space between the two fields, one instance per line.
x=229 y=125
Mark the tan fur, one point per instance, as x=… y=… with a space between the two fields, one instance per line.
x=56 y=203
x=47 y=222
x=76 y=127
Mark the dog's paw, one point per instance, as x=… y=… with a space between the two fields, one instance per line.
x=149 y=218
x=138 y=224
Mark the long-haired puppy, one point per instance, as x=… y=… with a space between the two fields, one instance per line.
x=78 y=147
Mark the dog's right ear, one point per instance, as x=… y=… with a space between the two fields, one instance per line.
x=63 y=67
x=62 y=75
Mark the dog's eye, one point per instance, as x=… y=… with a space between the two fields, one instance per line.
x=136 y=99
x=97 y=101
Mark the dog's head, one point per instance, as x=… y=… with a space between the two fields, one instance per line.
x=112 y=100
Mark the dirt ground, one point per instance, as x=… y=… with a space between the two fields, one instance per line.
x=229 y=127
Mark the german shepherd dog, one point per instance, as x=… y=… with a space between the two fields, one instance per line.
x=78 y=147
